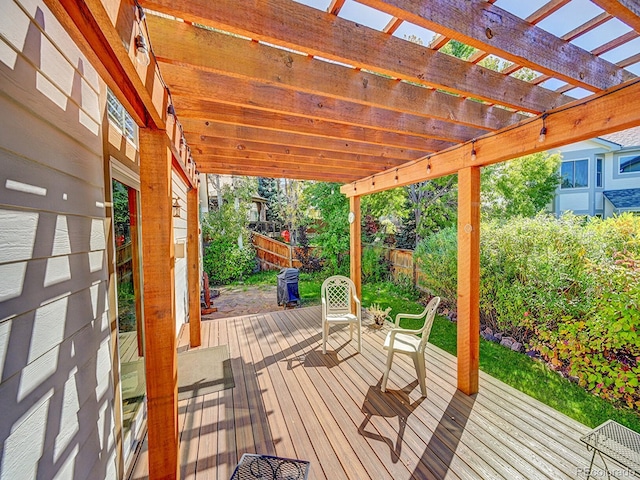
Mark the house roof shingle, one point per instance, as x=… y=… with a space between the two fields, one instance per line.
x=625 y=138
x=627 y=198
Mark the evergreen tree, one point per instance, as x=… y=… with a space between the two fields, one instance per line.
x=268 y=188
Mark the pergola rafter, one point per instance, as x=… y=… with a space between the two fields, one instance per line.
x=195 y=85
x=281 y=66
x=305 y=29
x=184 y=44
x=209 y=133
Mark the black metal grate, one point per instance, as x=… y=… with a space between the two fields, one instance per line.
x=265 y=467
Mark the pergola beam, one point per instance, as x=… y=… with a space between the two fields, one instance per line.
x=190 y=86
x=95 y=45
x=232 y=166
x=252 y=163
x=237 y=136
x=494 y=30
x=610 y=111
x=627 y=11
x=205 y=123
x=306 y=29
x=184 y=44
x=230 y=144
x=336 y=162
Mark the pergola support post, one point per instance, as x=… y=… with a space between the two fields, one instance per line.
x=159 y=303
x=193 y=258
x=355 y=244
x=468 y=279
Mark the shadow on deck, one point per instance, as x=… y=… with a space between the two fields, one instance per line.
x=291 y=401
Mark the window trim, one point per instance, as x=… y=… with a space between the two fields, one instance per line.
x=621 y=157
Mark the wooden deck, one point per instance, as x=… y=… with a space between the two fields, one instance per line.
x=292 y=401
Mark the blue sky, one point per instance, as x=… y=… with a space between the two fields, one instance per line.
x=559 y=23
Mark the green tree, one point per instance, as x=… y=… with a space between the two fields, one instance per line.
x=383 y=210
x=457 y=49
x=291 y=212
x=268 y=188
x=229 y=254
x=520 y=187
x=434 y=205
x=388 y=203
x=332 y=234
x=231 y=219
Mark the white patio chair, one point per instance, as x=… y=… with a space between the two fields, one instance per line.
x=338 y=293
x=400 y=340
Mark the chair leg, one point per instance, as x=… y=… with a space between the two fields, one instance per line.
x=359 y=338
x=385 y=377
x=324 y=337
x=351 y=331
x=418 y=361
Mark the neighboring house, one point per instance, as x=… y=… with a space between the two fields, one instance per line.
x=257 y=212
x=600 y=176
x=215 y=185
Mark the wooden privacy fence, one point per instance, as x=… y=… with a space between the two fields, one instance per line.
x=403 y=265
x=272 y=254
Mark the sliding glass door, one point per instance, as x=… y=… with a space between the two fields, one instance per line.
x=130 y=325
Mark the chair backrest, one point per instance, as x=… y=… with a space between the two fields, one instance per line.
x=430 y=315
x=338 y=292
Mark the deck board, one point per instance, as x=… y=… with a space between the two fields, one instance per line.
x=291 y=401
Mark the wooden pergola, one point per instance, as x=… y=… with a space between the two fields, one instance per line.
x=276 y=88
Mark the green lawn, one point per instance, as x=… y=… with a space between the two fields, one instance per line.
x=521 y=372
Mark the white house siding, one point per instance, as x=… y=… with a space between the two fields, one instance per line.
x=56 y=389
x=180 y=243
x=573 y=201
x=599 y=201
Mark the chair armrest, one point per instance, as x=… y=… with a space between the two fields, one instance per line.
x=413 y=316
x=405 y=330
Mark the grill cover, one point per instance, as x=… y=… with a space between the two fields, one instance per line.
x=288 y=286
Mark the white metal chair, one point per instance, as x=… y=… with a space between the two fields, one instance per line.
x=338 y=293
x=400 y=340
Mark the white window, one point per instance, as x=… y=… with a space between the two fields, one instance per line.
x=575 y=174
x=121 y=118
x=630 y=164
x=599 y=163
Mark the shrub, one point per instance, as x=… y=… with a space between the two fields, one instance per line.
x=224 y=261
x=375 y=266
x=601 y=349
x=569 y=288
x=309 y=261
x=533 y=273
x=332 y=232
x=437 y=258
x=378 y=313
